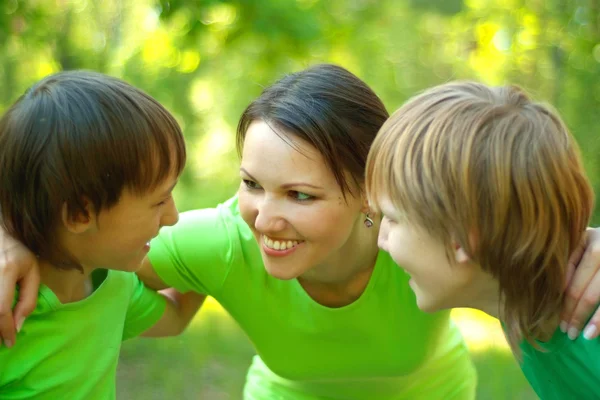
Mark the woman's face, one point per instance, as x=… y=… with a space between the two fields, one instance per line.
x=293 y=204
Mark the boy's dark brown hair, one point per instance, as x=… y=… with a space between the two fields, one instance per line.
x=76 y=137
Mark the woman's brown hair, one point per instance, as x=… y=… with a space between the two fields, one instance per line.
x=328 y=107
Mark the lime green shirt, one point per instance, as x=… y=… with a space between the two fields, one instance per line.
x=379 y=347
x=70 y=351
x=566 y=370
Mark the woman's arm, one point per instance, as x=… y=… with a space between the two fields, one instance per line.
x=18 y=266
x=180 y=308
x=179 y=311
x=150 y=278
x=194 y=255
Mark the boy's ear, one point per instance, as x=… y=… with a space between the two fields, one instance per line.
x=460 y=254
x=78 y=222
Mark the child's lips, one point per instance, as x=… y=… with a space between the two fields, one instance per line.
x=410 y=277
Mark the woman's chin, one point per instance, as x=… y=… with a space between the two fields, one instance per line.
x=280 y=272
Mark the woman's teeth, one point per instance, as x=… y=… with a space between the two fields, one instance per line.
x=279 y=244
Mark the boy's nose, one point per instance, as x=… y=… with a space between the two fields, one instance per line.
x=171 y=216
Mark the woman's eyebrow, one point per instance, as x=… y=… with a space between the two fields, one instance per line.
x=286 y=185
x=294 y=184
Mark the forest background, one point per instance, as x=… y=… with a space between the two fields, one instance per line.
x=205 y=60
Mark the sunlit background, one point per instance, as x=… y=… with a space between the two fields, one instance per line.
x=205 y=60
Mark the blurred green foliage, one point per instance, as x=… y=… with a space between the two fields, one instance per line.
x=206 y=60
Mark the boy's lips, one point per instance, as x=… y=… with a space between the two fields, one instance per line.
x=407 y=272
x=146 y=247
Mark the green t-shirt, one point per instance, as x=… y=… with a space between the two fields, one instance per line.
x=70 y=351
x=379 y=347
x=566 y=370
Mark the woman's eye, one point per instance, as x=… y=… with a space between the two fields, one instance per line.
x=301 y=196
x=251 y=184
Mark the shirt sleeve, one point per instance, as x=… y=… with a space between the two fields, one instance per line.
x=197 y=253
x=146 y=307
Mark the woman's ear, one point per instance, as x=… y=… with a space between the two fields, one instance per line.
x=365 y=208
x=78 y=221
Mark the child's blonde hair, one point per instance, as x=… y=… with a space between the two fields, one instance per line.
x=497 y=173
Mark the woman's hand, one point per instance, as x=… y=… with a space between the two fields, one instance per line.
x=583 y=289
x=18 y=266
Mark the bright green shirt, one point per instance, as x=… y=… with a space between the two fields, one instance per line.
x=379 y=347
x=70 y=351
x=566 y=370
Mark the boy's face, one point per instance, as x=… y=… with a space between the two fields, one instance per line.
x=437 y=282
x=119 y=237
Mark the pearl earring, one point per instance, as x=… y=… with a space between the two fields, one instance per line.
x=368 y=221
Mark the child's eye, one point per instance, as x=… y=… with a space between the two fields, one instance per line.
x=389 y=220
x=165 y=201
x=251 y=184
x=301 y=196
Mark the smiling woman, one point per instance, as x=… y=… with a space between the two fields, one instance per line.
x=294 y=257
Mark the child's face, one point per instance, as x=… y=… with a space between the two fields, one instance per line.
x=119 y=237
x=437 y=282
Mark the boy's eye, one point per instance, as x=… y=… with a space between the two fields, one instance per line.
x=301 y=196
x=251 y=184
x=389 y=220
x=165 y=201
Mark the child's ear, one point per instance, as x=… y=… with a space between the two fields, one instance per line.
x=460 y=254
x=79 y=221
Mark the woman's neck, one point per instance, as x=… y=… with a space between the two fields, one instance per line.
x=68 y=285
x=345 y=275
